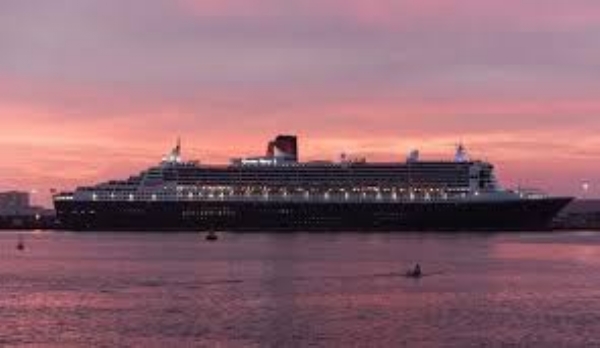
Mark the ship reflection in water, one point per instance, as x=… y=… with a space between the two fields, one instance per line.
x=299 y=289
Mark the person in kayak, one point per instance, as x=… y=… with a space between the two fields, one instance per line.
x=416 y=272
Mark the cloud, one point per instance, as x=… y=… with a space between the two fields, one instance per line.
x=103 y=87
x=175 y=46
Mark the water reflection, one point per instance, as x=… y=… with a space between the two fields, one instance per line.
x=329 y=290
x=589 y=254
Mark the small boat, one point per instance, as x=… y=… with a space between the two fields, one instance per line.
x=212 y=236
x=415 y=272
x=411 y=274
x=21 y=243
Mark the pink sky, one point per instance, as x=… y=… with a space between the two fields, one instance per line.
x=92 y=90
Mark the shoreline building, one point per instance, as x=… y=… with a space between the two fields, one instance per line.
x=16 y=212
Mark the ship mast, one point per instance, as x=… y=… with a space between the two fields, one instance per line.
x=175 y=155
x=461 y=155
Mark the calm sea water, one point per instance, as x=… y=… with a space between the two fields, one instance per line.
x=296 y=290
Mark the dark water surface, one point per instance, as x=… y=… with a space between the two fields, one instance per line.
x=296 y=290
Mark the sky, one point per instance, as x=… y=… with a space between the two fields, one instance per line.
x=92 y=90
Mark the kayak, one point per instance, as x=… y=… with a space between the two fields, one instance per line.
x=410 y=274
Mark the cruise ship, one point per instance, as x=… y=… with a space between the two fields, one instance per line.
x=277 y=192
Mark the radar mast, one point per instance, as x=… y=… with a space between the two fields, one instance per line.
x=175 y=155
x=461 y=155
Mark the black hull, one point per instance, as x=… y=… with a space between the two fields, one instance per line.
x=293 y=216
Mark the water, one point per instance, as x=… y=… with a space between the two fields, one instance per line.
x=297 y=290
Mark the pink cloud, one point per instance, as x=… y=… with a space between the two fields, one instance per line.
x=100 y=90
x=393 y=13
x=68 y=150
